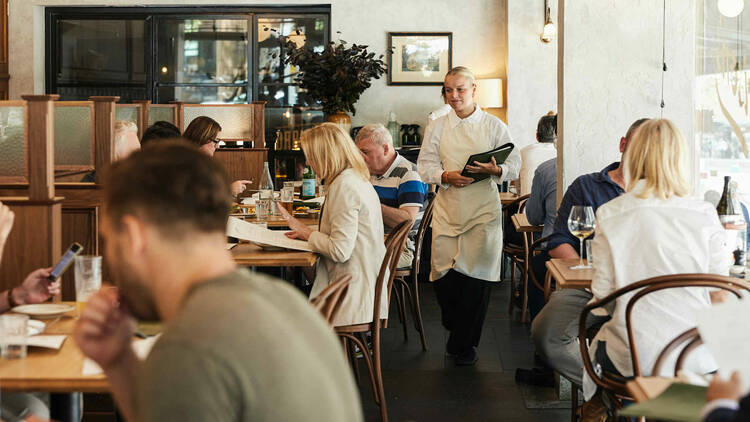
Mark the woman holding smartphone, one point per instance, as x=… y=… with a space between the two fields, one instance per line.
x=467 y=233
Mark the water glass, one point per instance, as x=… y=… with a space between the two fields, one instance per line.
x=589 y=252
x=13 y=332
x=88 y=278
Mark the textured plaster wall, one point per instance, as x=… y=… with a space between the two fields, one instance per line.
x=532 y=69
x=610 y=75
x=478 y=26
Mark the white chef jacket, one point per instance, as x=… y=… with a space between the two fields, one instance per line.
x=638 y=239
x=466 y=225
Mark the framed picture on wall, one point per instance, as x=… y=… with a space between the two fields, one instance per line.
x=419 y=58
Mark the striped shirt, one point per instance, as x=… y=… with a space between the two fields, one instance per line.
x=400 y=186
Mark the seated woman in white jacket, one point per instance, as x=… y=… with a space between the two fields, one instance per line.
x=350 y=235
x=654 y=229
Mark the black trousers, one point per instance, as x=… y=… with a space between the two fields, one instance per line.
x=463 y=301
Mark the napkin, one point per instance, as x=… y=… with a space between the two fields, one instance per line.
x=48 y=341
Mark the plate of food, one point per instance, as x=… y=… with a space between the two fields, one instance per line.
x=44 y=310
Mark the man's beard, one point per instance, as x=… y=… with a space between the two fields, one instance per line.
x=134 y=293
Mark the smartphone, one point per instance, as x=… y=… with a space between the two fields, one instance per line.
x=65 y=261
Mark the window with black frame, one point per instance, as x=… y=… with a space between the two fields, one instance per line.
x=190 y=54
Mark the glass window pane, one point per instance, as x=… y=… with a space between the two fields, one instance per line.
x=722 y=109
x=102 y=51
x=236 y=121
x=73 y=135
x=165 y=114
x=129 y=113
x=12 y=143
x=204 y=94
x=276 y=80
x=203 y=50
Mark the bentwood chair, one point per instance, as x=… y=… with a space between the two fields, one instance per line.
x=615 y=385
x=355 y=334
x=690 y=338
x=329 y=301
x=403 y=290
x=513 y=248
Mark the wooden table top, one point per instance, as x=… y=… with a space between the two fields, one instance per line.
x=507 y=197
x=252 y=255
x=57 y=371
x=522 y=225
x=567 y=278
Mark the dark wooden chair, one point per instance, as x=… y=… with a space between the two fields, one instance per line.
x=403 y=290
x=329 y=301
x=355 y=334
x=611 y=383
x=691 y=339
x=514 y=249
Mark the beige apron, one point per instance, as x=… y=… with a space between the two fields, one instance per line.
x=466 y=224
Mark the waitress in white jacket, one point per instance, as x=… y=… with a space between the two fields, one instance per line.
x=467 y=233
x=350 y=235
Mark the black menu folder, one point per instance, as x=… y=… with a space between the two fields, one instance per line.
x=501 y=154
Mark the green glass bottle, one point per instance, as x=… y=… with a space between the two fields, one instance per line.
x=308 y=184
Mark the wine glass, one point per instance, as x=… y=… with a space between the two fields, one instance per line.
x=581 y=223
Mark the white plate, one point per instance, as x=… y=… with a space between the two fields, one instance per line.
x=35 y=327
x=43 y=310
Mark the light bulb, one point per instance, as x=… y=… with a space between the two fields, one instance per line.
x=549 y=32
x=730 y=8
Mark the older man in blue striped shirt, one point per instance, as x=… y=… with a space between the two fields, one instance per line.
x=401 y=190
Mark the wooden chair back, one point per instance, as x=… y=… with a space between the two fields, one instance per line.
x=690 y=338
x=645 y=287
x=394 y=245
x=329 y=301
x=419 y=240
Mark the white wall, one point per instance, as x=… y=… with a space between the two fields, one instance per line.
x=532 y=69
x=478 y=26
x=611 y=75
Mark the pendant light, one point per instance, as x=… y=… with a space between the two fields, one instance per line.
x=730 y=8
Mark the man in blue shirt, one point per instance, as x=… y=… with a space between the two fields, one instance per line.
x=541 y=208
x=555 y=329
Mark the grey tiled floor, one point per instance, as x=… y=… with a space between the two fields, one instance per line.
x=425 y=386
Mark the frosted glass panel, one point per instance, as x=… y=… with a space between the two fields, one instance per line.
x=12 y=145
x=235 y=121
x=129 y=113
x=156 y=114
x=73 y=136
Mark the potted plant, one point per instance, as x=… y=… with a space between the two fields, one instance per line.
x=336 y=77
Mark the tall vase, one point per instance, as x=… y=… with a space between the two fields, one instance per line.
x=342 y=119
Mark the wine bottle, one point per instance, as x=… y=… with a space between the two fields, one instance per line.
x=308 y=184
x=734 y=223
x=265 y=194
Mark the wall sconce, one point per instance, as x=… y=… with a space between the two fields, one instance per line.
x=489 y=93
x=730 y=8
x=549 y=32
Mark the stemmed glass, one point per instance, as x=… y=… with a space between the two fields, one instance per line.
x=581 y=224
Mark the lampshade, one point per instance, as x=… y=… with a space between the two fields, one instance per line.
x=489 y=93
x=730 y=8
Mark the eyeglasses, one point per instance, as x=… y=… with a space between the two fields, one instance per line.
x=216 y=142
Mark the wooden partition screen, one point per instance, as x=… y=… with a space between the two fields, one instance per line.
x=243 y=163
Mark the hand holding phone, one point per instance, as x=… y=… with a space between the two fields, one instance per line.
x=65 y=261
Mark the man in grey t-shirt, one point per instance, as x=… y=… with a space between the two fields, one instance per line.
x=236 y=346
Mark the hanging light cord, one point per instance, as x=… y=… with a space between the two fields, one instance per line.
x=663 y=53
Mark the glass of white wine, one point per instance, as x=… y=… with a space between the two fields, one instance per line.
x=581 y=223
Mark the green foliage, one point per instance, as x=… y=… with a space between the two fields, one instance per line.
x=337 y=76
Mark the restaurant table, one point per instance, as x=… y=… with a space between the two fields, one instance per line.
x=507 y=197
x=565 y=278
x=645 y=388
x=252 y=255
x=54 y=371
x=522 y=225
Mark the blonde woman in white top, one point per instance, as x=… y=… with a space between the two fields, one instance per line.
x=654 y=229
x=466 y=227
x=350 y=235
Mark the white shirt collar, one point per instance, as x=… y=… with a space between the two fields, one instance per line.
x=474 y=117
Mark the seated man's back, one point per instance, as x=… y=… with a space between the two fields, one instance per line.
x=246 y=348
